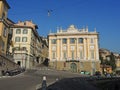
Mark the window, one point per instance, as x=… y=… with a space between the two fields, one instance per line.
x=108 y=58
x=17 y=39
x=72 y=48
x=10 y=31
x=81 y=65
x=18 y=31
x=24 y=39
x=24 y=23
x=93 y=64
x=17 y=48
x=5 y=32
x=54 y=41
x=80 y=40
x=54 y=48
x=2 y=44
x=92 y=40
x=25 y=31
x=81 y=54
x=64 y=41
x=72 y=40
x=72 y=55
x=3 y=15
x=92 y=54
x=53 y=55
x=64 y=55
x=24 y=48
x=64 y=48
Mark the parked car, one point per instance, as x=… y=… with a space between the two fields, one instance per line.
x=14 y=72
x=85 y=72
x=97 y=73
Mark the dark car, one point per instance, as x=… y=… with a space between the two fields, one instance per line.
x=97 y=73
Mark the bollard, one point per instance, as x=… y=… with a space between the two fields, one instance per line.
x=44 y=85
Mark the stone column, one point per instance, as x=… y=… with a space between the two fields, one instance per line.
x=61 y=56
x=85 y=44
x=97 y=51
x=50 y=50
x=58 y=50
x=68 y=48
x=77 y=48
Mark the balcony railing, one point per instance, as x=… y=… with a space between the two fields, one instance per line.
x=72 y=60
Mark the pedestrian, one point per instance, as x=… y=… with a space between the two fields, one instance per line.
x=3 y=72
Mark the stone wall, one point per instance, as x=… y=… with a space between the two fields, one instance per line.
x=7 y=64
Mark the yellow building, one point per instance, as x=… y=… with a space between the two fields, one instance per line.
x=74 y=49
x=29 y=48
x=26 y=43
x=6 y=60
x=4 y=26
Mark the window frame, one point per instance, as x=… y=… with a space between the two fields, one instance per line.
x=64 y=55
x=54 y=41
x=92 y=54
x=5 y=32
x=17 y=39
x=64 y=41
x=25 y=31
x=18 y=31
x=81 y=54
x=53 y=55
x=80 y=40
x=92 y=40
x=24 y=38
x=72 y=40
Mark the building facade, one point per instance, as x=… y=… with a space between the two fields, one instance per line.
x=117 y=57
x=6 y=59
x=25 y=43
x=4 y=26
x=44 y=49
x=28 y=48
x=74 y=49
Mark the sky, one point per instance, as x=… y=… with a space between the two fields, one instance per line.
x=104 y=15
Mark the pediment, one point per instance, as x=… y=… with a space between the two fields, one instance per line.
x=72 y=29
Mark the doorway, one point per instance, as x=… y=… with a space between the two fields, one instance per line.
x=19 y=63
x=73 y=67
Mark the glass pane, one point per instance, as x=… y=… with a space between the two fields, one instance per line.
x=64 y=41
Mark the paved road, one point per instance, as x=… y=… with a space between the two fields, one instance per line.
x=20 y=82
x=32 y=79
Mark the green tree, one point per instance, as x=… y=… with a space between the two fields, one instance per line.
x=111 y=62
x=102 y=63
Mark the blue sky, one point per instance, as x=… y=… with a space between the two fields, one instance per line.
x=104 y=15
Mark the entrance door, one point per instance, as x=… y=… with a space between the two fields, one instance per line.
x=73 y=67
x=19 y=63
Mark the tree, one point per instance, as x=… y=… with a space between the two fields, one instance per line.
x=112 y=59
x=102 y=63
x=111 y=62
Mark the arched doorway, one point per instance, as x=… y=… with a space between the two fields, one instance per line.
x=73 y=67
